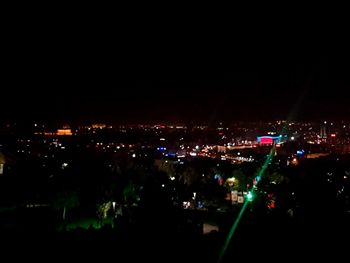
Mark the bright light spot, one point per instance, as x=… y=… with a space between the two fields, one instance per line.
x=193 y=154
x=186 y=205
x=163 y=185
x=238 y=153
x=292 y=138
x=172 y=178
x=231 y=181
x=325 y=122
x=197 y=147
x=64 y=164
x=133 y=155
x=162 y=139
x=118 y=147
x=300 y=152
x=250 y=196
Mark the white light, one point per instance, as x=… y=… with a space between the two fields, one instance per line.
x=133 y=155
x=186 y=204
x=292 y=138
x=197 y=147
x=163 y=185
x=172 y=178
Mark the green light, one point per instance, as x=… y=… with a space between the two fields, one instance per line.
x=250 y=196
x=291 y=116
x=232 y=231
x=244 y=207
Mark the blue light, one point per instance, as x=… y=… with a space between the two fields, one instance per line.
x=161 y=149
x=217 y=176
x=200 y=204
x=300 y=152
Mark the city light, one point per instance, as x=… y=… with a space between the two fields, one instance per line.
x=250 y=196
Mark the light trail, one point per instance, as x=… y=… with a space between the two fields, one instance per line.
x=291 y=116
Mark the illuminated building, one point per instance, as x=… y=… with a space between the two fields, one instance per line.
x=323 y=133
x=64 y=132
x=265 y=140
x=98 y=126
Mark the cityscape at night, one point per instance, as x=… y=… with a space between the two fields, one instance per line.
x=149 y=142
x=180 y=183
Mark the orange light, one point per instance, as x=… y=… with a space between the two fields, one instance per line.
x=64 y=132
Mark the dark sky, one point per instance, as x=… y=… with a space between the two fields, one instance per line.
x=78 y=70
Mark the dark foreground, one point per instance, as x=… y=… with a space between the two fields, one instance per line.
x=270 y=237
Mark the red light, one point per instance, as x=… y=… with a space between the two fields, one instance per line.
x=271 y=205
x=266 y=140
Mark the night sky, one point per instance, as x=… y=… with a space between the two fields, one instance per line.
x=84 y=72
